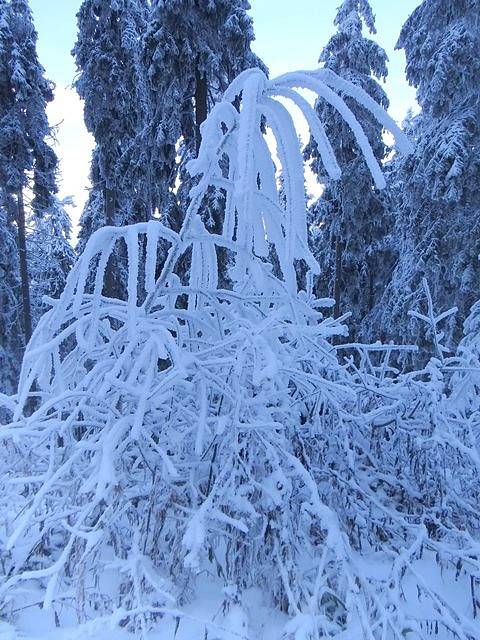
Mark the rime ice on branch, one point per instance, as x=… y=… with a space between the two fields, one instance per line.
x=193 y=429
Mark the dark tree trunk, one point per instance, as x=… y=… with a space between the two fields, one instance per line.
x=371 y=296
x=338 y=277
x=109 y=207
x=24 y=278
x=109 y=283
x=201 y=105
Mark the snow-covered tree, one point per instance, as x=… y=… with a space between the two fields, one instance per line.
x=27 y=160
x=10 y=324
x=51 y=255
x=32 y=94
x=11 y=334
x=438 y=213
x=466 y=382
x=111 y=82
x=350 y=221
x=193 y=50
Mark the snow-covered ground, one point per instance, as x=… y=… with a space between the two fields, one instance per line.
x=203 y=618
x=251 y=619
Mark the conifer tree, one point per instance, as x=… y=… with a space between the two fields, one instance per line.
x=465 y=385
x=11 y=340
x=438 y=213
x=111 y=83
x=27 y=161
x=349 y=221
x=193 y=50
x=51 y=255
x=10 y=323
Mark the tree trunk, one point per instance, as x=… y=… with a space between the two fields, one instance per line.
x=24 y=278
x=201 y=105
x=371 y=296
x=338 y=277
x=109 y=283
x=109 y=207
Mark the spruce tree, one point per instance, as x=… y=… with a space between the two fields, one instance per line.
x=193 y=50
x=349 y=221
x=465 y=385
x=438 y=211
x=27 y=161
x=51 y=255
x=11 y=339
x=10 y=323
x=111 y=83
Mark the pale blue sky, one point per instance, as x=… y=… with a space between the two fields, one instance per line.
x=289 y=35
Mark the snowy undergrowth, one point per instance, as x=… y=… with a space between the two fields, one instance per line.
x=205 y=615
x=204 y=442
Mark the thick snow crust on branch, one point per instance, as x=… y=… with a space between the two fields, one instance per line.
x=195 y=429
